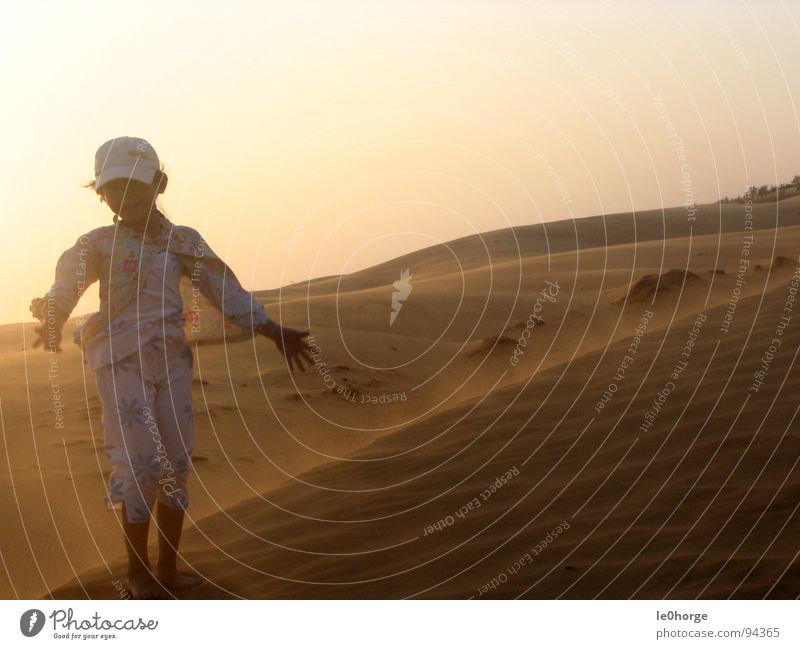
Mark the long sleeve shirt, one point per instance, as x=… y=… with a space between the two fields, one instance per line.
x=137 y=278
x=157 y=312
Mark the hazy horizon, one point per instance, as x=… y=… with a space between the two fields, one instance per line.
x=88 y=298
x=316 y=140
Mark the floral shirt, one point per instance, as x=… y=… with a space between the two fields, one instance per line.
x=215 y=307
x=156 y=313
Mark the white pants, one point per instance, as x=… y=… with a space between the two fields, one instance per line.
x=149 y=426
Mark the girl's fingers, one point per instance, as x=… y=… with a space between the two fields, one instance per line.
x=296 y=351
x=299 y=360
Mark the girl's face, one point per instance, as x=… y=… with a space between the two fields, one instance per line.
x=130 y=199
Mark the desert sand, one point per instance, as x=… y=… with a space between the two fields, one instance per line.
x=626 y=450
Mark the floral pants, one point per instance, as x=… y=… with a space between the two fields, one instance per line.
x=149 y=426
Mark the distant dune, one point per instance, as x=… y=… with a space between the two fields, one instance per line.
x=578 y=409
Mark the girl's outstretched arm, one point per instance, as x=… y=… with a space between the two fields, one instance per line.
x=219 y=284
x=76 y=269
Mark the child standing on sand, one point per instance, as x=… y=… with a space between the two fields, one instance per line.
x=137 y=348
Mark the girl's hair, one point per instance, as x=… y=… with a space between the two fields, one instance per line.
x=160 y=178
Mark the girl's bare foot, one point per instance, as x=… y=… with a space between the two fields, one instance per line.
x=142 y=585
x=179 y=580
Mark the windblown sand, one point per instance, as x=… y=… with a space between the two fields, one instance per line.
x=494 y=442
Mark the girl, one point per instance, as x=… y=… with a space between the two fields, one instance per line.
x=138 y=349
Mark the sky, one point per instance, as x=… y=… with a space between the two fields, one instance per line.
x=308 y=139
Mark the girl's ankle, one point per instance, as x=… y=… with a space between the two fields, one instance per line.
x=167 y=567
x=138 y=570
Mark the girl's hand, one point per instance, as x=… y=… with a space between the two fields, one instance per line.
x=290 y=342
x=48 y=334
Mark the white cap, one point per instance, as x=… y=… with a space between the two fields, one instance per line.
x=125 y=157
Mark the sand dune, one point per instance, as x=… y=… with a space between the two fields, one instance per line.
x=380 y=479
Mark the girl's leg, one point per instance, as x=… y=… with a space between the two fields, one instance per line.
x=170 y=526
x=142 y=584
x=126 y=396
x=173 y=405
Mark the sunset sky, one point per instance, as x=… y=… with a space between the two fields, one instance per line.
x=316 y=138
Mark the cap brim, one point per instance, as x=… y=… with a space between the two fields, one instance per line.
x=129 y=172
